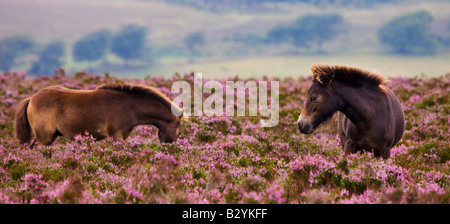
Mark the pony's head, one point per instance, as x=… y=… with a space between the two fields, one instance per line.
x=329 y=84
x=170 y=131
x=320 y=103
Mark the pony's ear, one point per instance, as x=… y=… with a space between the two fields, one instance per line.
x=323 y=74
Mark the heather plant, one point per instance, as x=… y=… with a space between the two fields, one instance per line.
x=221 y=159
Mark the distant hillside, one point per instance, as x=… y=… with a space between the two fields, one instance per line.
x=230 y=35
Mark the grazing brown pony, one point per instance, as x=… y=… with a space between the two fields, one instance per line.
x=370 y=116
x=108 y=111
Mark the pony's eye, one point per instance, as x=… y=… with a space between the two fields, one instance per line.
x=312 y=98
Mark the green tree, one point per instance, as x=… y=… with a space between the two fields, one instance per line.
x=409 y=34
x=280 y=34
x=129 y=42
x=192 y=42
x=14 y=47
x=50 y=58
x=92 y=47
x=308 y=31
x=316 y=29
x=7 y=58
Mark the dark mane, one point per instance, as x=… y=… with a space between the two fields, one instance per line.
x=139 y=90
x=353 y=76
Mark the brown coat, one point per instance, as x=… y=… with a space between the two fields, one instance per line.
x=108 y=111
x=371 y=118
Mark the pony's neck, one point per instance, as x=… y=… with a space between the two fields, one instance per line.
x=357 y=103
x=152 y=112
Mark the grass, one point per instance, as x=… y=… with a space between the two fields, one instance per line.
x=229 y=159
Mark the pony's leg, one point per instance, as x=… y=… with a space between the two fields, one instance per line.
x=46 y=138
x=33 y=143
x=44 y=127
x=45 y=133
x=122 y=133
x=126 y=134
x=385 y=152
x=349 y=147
x=341 y=129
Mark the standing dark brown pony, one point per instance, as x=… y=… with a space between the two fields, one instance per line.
x=371 y=117
x=108 y=111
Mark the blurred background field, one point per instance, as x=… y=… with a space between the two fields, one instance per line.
x=224 y=38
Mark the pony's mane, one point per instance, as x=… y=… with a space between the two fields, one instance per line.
x=144 y=91
x=353 y=76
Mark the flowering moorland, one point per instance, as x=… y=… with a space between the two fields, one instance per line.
x=229 y=159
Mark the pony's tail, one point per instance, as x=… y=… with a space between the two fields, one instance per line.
x=22 y=127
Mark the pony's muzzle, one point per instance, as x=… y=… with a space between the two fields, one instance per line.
x=304 y=125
